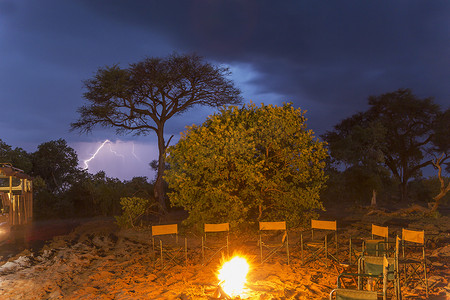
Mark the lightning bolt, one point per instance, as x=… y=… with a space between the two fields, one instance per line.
x=86 y=162
x=134 y=153
x=114 y=152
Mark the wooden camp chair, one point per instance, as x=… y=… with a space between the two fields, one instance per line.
x=319 y=246
x=357 y=293
x=373 y=246
x=378 y=244
x=217 y=242
x=374 y=265
x=413 y=257
x=268 y=248
x=165 y=241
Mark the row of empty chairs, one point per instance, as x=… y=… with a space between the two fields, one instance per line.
x=273 y=240
x=323 y=248
x=168 y=250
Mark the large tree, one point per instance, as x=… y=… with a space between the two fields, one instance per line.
x=141 y=98
x=57 y=164
x=395 y=132
x=248 y=164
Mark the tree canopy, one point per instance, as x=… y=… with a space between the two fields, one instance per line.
x=248 y=164
x=56 y=163
x=141 y=98
x=396 y=133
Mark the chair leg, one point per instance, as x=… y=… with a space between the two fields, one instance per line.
x=185 y=251
x=260 y=248
x=337 y=246
x=350 y=251
x=161 y=251
x=287 y=248
x=301 y=245
x=425 y=270
x=228 y=250
x=203 y=250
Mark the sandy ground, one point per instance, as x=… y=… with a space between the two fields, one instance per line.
x=99 y=261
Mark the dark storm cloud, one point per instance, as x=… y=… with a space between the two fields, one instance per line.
x=326 y=56
x=47 y=48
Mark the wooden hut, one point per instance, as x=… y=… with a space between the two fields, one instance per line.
x=16 y=195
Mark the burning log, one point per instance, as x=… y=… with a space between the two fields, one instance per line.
x=220 y=293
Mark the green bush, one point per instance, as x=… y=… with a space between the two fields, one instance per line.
x=248 y=164
x=133 y=208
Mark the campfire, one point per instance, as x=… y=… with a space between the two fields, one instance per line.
x=232 y=276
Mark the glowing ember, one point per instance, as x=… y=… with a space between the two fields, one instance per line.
x=233 y=276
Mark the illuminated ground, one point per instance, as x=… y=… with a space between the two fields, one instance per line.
x=97 y=261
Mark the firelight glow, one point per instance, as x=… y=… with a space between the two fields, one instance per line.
x=233 y=276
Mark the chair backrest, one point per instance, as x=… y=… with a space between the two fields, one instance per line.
x=217 y=227
x=326 y=225
x=279 y=226
x=380 y=231
x=164 y=229
x=323 y=225
x=413 y=236
x=272 y=225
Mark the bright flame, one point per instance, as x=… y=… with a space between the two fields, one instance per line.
x=233 y=276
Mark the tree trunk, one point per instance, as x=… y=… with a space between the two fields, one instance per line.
x=373 y=202
x=158 y=189
x=437 y=200
x=404 y=190
x=443 y=189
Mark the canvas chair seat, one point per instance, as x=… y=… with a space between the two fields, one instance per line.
x=347 y=294
x=315 y=244
x=409 y=261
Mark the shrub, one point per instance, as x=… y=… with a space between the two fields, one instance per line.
x=133 y=208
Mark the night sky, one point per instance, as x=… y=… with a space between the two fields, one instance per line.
x=326 y=57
